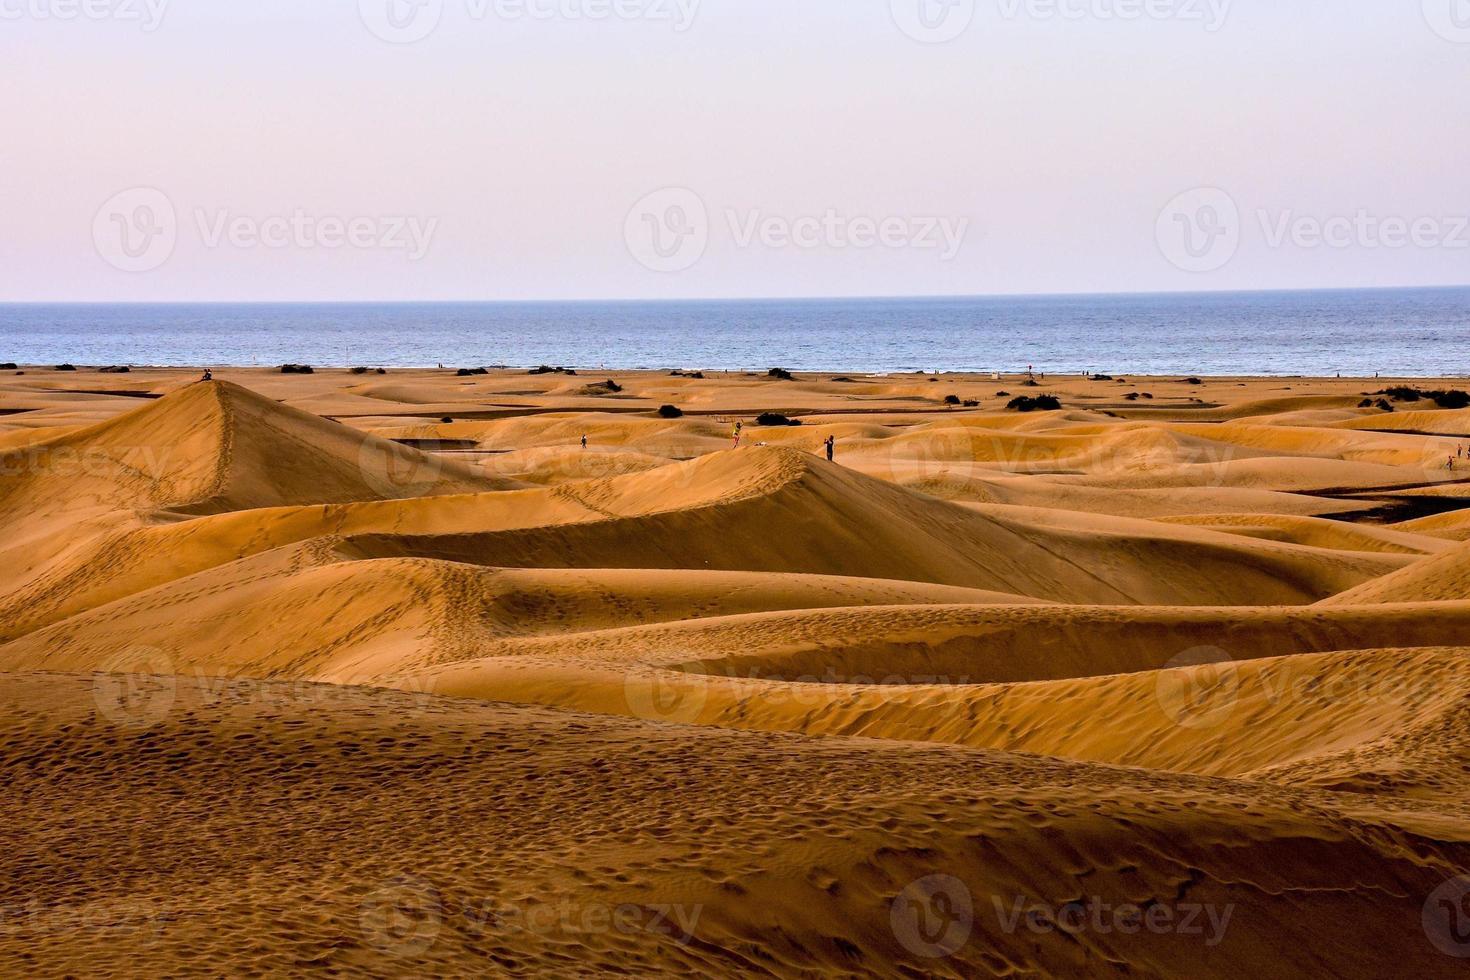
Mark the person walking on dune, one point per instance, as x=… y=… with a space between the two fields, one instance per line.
x=584 y=440
x=738 y=426
x=831 y=445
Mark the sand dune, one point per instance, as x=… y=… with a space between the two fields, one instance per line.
x=300 y=677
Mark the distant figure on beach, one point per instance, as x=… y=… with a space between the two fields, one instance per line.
x=584 y=440
x=831 y=445
x=738 y=426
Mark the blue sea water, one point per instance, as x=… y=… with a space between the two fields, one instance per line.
x=1398 y=332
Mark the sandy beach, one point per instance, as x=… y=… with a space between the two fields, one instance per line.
x=465 y=672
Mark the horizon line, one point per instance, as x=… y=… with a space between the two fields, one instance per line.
x=735 y=299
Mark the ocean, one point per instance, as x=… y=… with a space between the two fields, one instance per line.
x=1395 y=332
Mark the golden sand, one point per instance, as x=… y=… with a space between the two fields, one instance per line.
x=388 y=675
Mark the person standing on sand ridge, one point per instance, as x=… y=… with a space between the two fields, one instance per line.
x=831 y=445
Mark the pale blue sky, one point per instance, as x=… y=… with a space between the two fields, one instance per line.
x=520 y=145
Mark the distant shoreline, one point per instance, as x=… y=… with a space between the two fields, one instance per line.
x=712 y=374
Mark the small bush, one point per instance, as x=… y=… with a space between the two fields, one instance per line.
x=670 y=412
x=1384 y=404
x=1132 y=396
x=1002 y=394
x=9 y=366
x=66 y=367
x=1147 y=395
x=544 y=369
x=446 y=420
x=1030 y=383
x=951 y=399
x=1454 y=399
x=972 y=403
x=470 y=372
x=1041 y=403
x=359 y=370
x=297 y=369
x=1191 y=381
x=1401 y=394
x=1103 y=377
x=772 y=419
x=1451 y=399
x=780 y=374
x=116 y=369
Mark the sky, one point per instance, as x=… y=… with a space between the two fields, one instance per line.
x=581 y=149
